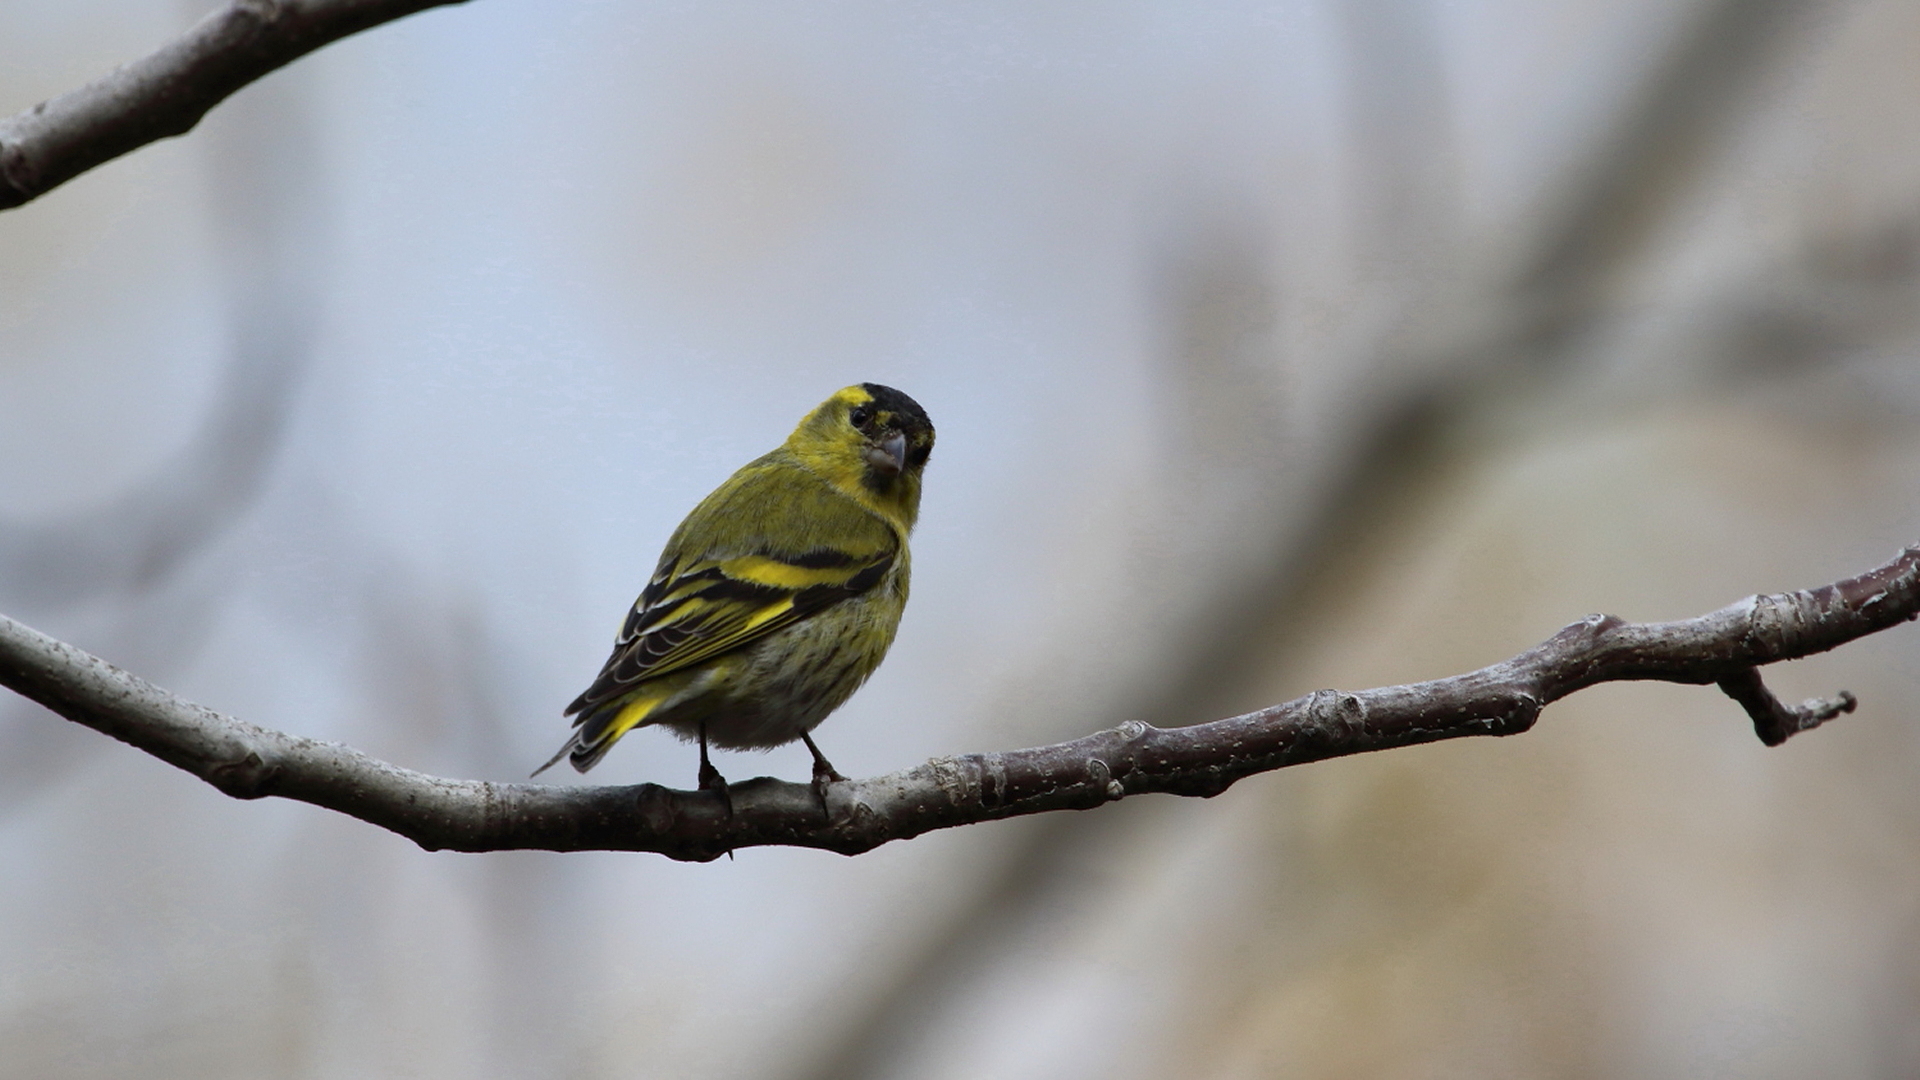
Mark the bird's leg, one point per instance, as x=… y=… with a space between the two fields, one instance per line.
x=710 y=778
x=823 y=772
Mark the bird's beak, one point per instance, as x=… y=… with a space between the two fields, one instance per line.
x=889 y=455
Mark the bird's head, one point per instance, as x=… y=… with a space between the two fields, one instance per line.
x=871 y=441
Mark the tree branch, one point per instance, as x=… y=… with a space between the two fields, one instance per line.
x=248 y=761
x=168 y=91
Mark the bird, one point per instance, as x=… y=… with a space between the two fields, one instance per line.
x=776 y=598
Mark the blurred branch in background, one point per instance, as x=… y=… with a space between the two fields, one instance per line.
x=1697 y=100
x=266 y=184
x=1407 y=216
x=247 y=761
x=167 y=92
x=266 y=191
x=1465 y=322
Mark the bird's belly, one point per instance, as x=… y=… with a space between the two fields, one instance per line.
x=782 y=686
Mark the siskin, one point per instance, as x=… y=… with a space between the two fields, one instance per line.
x=777 y=597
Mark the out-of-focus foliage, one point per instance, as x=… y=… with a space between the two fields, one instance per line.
x=1272 y=346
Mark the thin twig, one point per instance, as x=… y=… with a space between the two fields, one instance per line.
x=248 y=761
x=1774 y=720
x=167 y=92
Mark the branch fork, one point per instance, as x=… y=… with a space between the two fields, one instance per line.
x=1774 y=720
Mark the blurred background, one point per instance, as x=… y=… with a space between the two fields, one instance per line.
x=1272 y=347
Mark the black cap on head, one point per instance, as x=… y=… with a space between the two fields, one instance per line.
x=907 y=413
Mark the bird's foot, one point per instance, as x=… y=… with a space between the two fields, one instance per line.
x=711 y=780
x=821 y=778
x=823 y=774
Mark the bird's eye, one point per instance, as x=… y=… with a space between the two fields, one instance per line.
x=859 y=416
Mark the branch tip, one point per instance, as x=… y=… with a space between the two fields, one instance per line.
x=1774 y=720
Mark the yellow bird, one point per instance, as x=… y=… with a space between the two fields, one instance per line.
x=776 y=597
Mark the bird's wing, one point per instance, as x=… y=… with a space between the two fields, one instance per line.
x=700 y=605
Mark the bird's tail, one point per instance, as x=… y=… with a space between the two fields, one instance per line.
x=555 y=759
x=594 y=733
